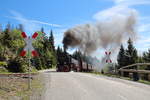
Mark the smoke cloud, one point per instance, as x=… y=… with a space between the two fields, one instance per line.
x=108 y=34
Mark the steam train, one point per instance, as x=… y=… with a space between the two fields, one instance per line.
x=71 y=64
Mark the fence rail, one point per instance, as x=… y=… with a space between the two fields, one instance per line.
x=136 y=73
x=137 y=64
x=133 y=70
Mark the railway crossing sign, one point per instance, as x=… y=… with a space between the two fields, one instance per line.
x=29 y=48
x=108 y=60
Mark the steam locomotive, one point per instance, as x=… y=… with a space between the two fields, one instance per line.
x=71 y=64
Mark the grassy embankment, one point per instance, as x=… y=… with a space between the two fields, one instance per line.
x=14 y=88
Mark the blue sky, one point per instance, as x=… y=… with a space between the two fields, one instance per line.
x=60 y=15
x=63 y=12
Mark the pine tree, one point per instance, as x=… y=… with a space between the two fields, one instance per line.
x=42 y=30
x=11 y=44
x=77 y=55
x=21 y=28
x=1 y=28
x=131 y=53
x=121 y=57
x=140 y=59
x=6 y=39
x=128 y=56
x=37 y=63
x=58 y=51
x=8 y=27
x=51 y=40
x=60 y=57
x=146 y=58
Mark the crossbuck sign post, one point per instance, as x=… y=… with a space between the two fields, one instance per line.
x=108 y=60
x=27 y=50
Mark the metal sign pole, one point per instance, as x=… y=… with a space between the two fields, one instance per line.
x=29 y=74
x=29 y=48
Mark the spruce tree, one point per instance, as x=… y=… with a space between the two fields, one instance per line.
x=6 y=39
x=60 y=55
x=59 y=51
x=77 y=55
x=146 y=58
x=37 y=63
x=1 y=28
x=8 y=27
x=42 y=30
x=21 y=27
x=121 y=57
x=131 y=53
x=51 y=40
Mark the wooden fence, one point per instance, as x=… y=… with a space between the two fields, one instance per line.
x=132 y=70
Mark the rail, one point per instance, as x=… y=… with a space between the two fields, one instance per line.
x=17 y=74
x=137 y=64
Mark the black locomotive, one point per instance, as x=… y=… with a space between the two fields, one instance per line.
x=68 y=63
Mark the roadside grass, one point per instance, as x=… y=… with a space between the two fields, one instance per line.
x=13 y=88
x=117 y=76
x=4 y=70
x=145 y=82
x=16 y=88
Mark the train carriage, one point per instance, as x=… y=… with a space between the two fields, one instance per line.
x=72 y=64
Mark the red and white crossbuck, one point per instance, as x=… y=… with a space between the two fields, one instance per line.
x=29 y=46
x=108 y=60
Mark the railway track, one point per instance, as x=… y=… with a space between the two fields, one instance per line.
x=23 y=75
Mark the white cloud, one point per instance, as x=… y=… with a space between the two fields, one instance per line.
x=45 y=23
x=115 y=11
x=29 y=24
x=131 y=2
x=121 y=8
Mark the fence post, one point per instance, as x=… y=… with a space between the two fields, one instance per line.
x=135 y=76
x=122 y=73
x=149 y=77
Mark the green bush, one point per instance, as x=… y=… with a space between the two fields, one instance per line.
x=18 y=65
x=3 y=70
x=3 y=67
x=3 y=63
